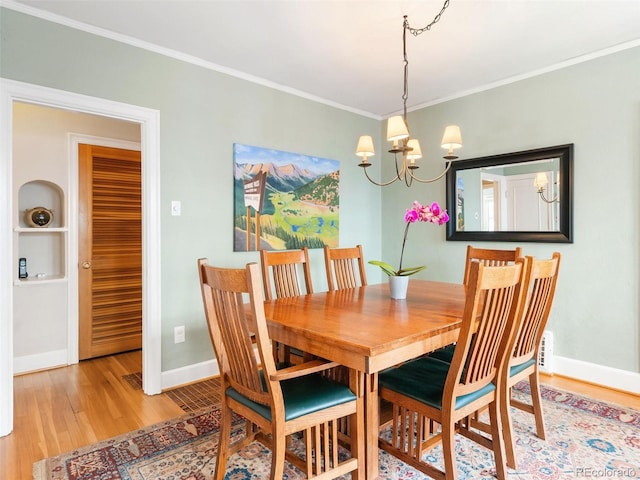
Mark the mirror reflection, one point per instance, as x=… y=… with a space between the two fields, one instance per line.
x=507 y=197
x=523 y=196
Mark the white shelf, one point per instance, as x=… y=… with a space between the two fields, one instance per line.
x=39 y=230
x=31 y=281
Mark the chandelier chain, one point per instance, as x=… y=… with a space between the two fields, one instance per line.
x=417 y=31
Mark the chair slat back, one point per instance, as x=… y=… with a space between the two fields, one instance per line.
x=490 y=320
x=340 y=265
x=284 y=267
x=489 y=257
x=544 y=276
x=233 y=325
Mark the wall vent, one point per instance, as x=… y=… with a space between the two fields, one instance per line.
x=545 y=355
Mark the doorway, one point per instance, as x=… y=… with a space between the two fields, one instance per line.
x=13 y=91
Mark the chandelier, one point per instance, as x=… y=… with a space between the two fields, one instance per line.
x=406 y=150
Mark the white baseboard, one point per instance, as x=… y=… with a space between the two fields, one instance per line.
x=194 y=373
x=189 y=374
x=597 y=374
x=40 y=361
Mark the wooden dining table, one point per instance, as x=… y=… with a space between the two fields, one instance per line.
x=367 y=331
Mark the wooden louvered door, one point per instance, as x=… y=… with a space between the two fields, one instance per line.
x=109 y=251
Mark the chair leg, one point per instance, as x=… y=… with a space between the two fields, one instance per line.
x=278 y=451
x=497 y=441
x=507 y=428
x=224 y=443
x=449 y=448
x=536 y=401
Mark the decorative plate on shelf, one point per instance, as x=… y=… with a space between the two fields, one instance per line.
x=38 y=217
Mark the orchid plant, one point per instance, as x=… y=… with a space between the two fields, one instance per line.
x=417 y=213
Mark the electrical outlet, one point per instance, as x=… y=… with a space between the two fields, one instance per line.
x=176 y=208
x=179 y=334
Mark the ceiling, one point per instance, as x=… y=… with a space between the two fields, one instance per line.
x=349 y=53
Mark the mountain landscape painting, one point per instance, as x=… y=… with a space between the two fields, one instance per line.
x=283 y=200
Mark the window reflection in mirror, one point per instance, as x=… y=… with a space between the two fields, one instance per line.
x=523 y=196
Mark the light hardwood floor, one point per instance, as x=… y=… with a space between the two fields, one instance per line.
x=58 y=410
x=65 y=408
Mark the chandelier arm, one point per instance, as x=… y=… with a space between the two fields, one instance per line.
x=431 y=179
x=379 y=184
x=408 y=179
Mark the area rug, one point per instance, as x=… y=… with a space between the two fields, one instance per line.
x=585 y=438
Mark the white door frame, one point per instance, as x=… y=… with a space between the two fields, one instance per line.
x=499 y=200
x=149 y=120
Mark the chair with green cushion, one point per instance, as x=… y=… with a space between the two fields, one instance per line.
x=489 y=257
x=276 y=403
x=429 y=390
x=286 y=267
x=523 y=363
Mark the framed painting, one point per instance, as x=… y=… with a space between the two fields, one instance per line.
x=283 y=200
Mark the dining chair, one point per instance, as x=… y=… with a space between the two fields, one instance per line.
x=284 y=266
x=486 y=256
x=489 y=257
x=340 y=265
x=276 y=403
x=523 y=363
x=427 y=390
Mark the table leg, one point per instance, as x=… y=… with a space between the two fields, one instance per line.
x=372 y=419
x=357 y=427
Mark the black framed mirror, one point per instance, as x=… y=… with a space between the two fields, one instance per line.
x=513 y=197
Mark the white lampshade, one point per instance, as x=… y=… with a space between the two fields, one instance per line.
x=365 y=146
x=416 y=153
x=396 y=129
x=541 y=180
x=452 y=137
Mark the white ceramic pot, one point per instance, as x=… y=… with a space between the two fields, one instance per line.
x=398 y=287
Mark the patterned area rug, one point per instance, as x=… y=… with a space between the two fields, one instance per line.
x=585 y=438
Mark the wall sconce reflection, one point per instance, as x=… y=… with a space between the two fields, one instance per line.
x=540 y=182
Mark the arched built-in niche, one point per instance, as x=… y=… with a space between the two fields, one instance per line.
x=41 y=193
x=43 y=248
